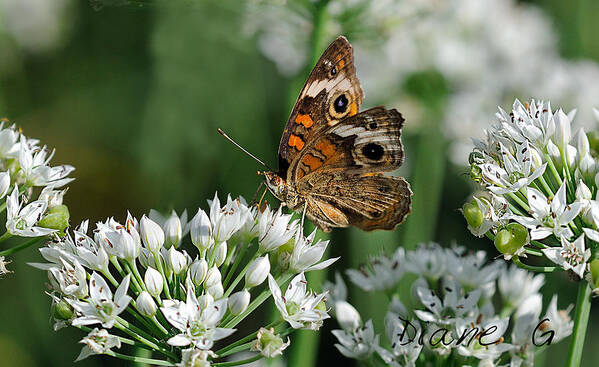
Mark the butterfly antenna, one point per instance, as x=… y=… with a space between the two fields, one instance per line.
x=243 y=149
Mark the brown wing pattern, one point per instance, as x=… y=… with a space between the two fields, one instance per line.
x=331 y=93
x=364 y=143
x=382 y=202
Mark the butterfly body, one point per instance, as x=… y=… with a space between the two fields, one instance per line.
x=333 y=158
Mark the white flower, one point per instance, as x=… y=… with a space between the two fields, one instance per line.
x=358 y=343
x=471 y=270
x=9 y=147
x=299 y=306
x=275 y=229
x=269 y=344
x=402 y=354
x=549 y=216
x=213 y=277
x=518 y=169
x=126 y=244
x=381 y=273
x=220 y=253
x=516 y=284
x=495 y=212
x=335 y=291
x=455 y=300
x=98 y=341
x=174 y=227
x=92 y=255
x=197 y=321
x=152 y=234
x=70 y=280
x=306 y=255
x=347 y=316
x=176 y=261
x=228 y=219
x=101 y=307
x=257 y=272
x=571 y=255
x=22 y=221
x=51 y=196
x=3 y=263
x=558 y=320
x=145 y=304
x=494 y=329
x=154 y=282
x=34 y=165
x=198 y=271
x=201 y=231
x=4 y=183
x=428 y=261
x=193 y=357
x=239 y=301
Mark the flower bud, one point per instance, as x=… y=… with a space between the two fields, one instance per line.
x=173 y=230
x=198 y=271
x=257 y=272
x=176 y=261
x=474 y=216
x=213 y=277
x=216 y=290
x=146 y=259
x=220 y=253
x=347 y=316
x=154 y=282
x=62 y=310
x=269 y=344
x=4 y=183
x=145 y=304
x=205 y=301
x=512 y=238
x=57 y=217
x=239 y=301
x=151 y=234
x=201 y=230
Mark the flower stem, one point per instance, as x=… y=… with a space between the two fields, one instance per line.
x=538 y=269
x=238 y=363
x=158 y=262
x=238 y=257
x=22 y=246
x=5 y=236
x=149 y=361
x=240 y=276
x=583 y=307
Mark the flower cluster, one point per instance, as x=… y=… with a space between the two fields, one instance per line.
x=136 y=284
x=540 y=184
x=31 y=190
x=457 y=321
x=486 y=51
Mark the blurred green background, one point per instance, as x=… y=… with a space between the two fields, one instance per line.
x=132 y=96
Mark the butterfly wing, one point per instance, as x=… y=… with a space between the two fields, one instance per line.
x=341 y=173
x=331 y=93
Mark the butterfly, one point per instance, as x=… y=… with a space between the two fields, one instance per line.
x=332 y=157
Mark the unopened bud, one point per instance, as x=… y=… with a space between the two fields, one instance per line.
x=257 y=272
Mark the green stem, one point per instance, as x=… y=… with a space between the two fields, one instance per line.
x=238 y=257
x=238 y=363
x=5 y=236
x=240 y=276
x=538 y=269
x=158 y=262
x=149 y=361
x=22 y=246
x=583 y=308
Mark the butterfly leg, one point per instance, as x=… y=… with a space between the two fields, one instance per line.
x=257 y=191
x=304 y=214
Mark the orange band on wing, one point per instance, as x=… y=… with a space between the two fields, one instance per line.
x=296 y=141
x=305 y=120
x=312 y=162
x=326 y=147
x=353 y=109
x=340 y=64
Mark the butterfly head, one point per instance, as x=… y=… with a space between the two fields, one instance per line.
x=276 y=184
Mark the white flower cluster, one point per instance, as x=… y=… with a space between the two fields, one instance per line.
x=30 y=189
x=487 y=51
x=457 y=319
x=540 y=181
x=165 y=297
